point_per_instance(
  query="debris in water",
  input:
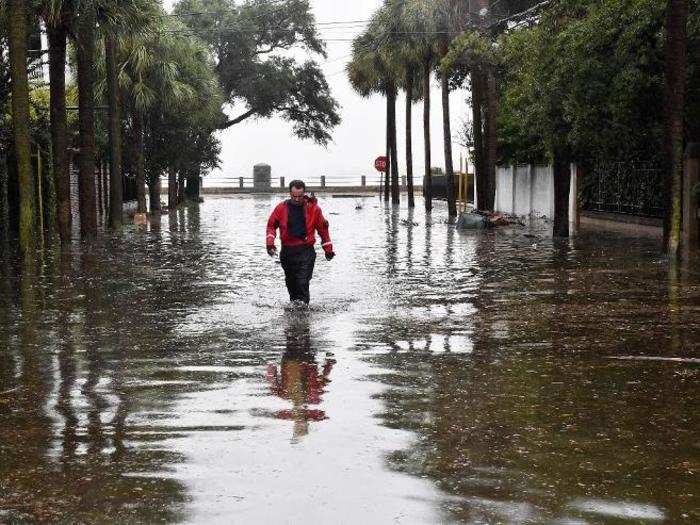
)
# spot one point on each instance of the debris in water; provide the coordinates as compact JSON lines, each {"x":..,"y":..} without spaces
{"x":472,"y":221}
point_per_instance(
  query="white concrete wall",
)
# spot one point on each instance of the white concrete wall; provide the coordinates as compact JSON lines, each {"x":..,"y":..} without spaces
{"x":504,"y":189}
{"x":529,"y":190}
{"x":522,"y":193}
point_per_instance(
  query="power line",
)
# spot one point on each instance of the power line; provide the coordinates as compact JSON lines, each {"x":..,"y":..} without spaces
{"x":234,"y":30}
{"x":338,"y":25}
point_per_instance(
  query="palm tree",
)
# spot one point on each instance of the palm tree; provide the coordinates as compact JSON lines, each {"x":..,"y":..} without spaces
{"x":488,"y":82}
{"x":371,"y":71}
{"x":447,"y":136}
{"x":20,"y":121}
{"x":482,"y":181}
{"x":449,"y":19}
{"x":57,"y":17}
{"x":387,"y":27}
{"x":473,"y":53}
{"x":118,"y":17}
{"x":408,"y":57}
{"x":85,"y":52}
{"x":151,"y":75}
{"x":412,"y":89}
{"x":116,"y":197}
{"x":420,"y":22}
{"x":676,"y":19}
{"x":180,"y":132}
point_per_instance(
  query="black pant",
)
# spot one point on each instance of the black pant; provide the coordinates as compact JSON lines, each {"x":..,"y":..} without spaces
{"x":298,"y":263}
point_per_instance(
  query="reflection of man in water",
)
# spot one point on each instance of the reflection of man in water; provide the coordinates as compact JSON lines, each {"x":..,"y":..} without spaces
{"x":299,"y":380}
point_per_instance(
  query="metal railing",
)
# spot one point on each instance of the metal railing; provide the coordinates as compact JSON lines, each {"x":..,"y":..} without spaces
{"x":625,"y":187}
{"x":281,"y":182}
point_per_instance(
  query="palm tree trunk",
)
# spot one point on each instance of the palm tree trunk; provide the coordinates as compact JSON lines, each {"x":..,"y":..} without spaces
{"x":100,"y":202}
{"x":116,"y":189}
{"x":387,"y":169}
{"x":482,"y":182}
{"x":86,"y":116}
{"x":20,"y":120}
{"x":562,"y":189}
{"x":57,"y":36}
{"x":449,"y":168}
{"x":172,"y":188}
{"x":428,"y":177}
{"x":193,"y":186}
{"x":154,"y":195}
{"x":140,"y":165}
{"x":676,"y":18}
{"x":105,"y":187}
{"x":49,"y":195}
{"x":180,"y":188}
{"x":491,"y":137}
{"x":395,"y":199}
{"x":409,"y":137}
{"x":4,"y":215}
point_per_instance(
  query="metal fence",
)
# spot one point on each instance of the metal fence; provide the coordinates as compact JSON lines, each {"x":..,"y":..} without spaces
{"x":623,"y":187}
{"x":281,"y":182}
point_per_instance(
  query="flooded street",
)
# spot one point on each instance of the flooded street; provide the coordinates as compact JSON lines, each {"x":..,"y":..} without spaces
{"x":438,"y":377}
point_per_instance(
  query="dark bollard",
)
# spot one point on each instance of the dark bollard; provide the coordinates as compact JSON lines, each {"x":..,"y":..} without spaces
{"x":281,"y":182}
{"x":240,"y":182}
{"x":364,"y":181}
{"x":323,"y":181}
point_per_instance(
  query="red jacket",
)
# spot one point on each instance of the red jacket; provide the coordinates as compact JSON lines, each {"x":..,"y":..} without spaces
{"x":314,"y":222}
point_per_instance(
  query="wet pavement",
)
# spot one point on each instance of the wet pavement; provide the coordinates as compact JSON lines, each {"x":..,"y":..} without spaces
{"x":439,"y":377}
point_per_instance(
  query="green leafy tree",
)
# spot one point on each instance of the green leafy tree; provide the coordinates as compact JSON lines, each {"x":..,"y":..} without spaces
{"x":585,"y":83}
{"x":474,"y":54}
{"x":181,"y":136}
{"x":250,"y":44}
{"x":117,"y":19}
{"x":150,"y":77}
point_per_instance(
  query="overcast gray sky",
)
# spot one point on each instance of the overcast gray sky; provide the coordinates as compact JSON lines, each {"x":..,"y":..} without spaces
{"x":360,"y":137}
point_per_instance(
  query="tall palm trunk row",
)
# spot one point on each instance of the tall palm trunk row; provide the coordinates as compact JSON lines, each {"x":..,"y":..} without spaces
{"x":396,"y":52}
{"x":79,"y":21}
{"x":20,"y":119}
{"x":57,"y":37}
{"x":85,"y":53}
{"x":428,"y":180}
{"x":114,"y":129}
{"x":409,"y":135}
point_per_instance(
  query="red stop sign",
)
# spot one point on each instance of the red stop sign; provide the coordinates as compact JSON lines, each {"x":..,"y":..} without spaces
{"x":380,"y":164}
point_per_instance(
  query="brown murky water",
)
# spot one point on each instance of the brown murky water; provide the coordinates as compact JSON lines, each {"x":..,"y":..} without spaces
{"x":438,"y":377}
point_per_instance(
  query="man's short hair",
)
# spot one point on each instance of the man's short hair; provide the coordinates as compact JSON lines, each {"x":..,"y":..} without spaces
{"x":299,"y":184}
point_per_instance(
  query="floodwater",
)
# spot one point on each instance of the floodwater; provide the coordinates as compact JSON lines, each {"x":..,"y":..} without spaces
{"x":439,"y":377}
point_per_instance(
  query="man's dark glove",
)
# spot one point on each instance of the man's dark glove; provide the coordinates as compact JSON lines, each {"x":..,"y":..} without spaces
{"x":330,"y":255}
{"x":271,"y":251}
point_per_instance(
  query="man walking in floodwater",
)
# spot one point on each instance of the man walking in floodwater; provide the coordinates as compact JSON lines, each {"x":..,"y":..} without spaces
{"x":298,"y":218}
